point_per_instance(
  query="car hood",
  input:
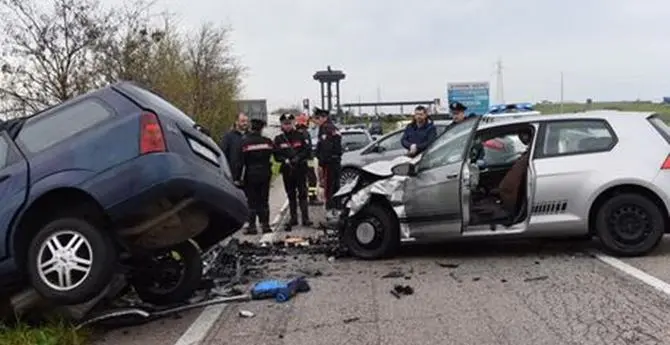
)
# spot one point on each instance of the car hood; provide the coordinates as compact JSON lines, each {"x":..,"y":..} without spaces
{"x":383,"y":168}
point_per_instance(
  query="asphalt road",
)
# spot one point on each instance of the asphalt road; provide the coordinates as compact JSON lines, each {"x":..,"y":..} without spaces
{"x":552,"y":292}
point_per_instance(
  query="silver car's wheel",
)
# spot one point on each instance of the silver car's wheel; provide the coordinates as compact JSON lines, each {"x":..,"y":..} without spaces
{"x":348,"y":175}
{"x":372,"y":234}
{"x":365,"y":233}
{"x":630,"y":225}
{"x":65,"y":260}
{"x":70,"y":260}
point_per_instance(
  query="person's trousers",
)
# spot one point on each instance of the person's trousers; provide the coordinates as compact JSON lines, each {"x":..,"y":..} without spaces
{"x":331,"y":183}
{"x":311,"y":183}
{"x":257,"y":192}
{"x":295,"y":185}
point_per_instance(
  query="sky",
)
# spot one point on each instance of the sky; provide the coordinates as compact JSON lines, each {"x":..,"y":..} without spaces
{"x":607,"y":50}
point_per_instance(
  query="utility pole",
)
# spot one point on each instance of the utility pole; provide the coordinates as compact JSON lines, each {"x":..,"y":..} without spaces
{"x":360,"y":109}
{"x":500,"y":92}
{"x":561,"y":107}
{"x":379,"y":98}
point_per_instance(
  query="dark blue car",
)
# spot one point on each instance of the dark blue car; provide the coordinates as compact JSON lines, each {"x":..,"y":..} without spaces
{"x":91,"y":187}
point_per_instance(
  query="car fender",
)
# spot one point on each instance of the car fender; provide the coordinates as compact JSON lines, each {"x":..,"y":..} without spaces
{"x":62,"y":179}
{"x":391,"y":189}
{"x":72,"y":178}
{"x":626,"y":181}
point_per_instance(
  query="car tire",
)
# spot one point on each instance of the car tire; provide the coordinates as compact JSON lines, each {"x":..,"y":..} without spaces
{"x":190,"y":278}
{"x":93,"y":245}
{"x":372,"y":234}
{"x":347,"y":175}
{"x":630,"y":225}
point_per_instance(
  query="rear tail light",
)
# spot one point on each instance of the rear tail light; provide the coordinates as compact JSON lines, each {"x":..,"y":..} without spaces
{"x":151,"y":134}
{"x":666,"y":163}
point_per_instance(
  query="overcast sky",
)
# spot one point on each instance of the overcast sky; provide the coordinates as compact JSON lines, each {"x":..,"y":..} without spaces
{"x":606,"y":49}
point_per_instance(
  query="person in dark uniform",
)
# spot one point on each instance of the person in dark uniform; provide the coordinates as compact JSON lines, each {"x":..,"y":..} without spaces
{"x":302,"y":125}
{"x":292,"y":150}
{"x":457,"y":110}
{"x":256,"y":172}
{"x":329,"y":154}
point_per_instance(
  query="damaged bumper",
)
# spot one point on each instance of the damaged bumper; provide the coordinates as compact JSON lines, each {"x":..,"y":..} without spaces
{"x":353,"y":197}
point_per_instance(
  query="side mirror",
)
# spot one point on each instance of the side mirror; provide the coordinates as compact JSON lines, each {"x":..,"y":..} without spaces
{"x":404,"y":169}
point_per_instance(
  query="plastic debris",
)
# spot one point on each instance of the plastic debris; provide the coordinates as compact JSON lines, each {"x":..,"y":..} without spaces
{"x":246,"y":314}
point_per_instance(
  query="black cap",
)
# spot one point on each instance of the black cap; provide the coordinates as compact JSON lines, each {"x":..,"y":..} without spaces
{"x":286,"y":117}
{"x":257,"y":124}
{"x":318,"y":112}
{"x":457,"y":106}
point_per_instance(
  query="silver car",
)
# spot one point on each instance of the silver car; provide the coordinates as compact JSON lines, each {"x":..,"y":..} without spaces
{"x":598,"y":173}
{"x":386,"y":147}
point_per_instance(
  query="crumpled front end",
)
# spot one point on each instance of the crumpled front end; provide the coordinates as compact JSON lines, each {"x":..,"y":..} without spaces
{"x":392,"y":189}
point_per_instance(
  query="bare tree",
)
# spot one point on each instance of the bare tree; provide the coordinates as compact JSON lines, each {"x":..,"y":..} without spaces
{"x":49,"y":54}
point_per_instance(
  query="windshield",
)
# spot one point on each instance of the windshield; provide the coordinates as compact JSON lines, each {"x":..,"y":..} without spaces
{"x":448,"y":136}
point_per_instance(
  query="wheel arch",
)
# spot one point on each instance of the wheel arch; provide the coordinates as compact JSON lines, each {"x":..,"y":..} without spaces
{"x":621,"y":189}
{"x":44,"y":208}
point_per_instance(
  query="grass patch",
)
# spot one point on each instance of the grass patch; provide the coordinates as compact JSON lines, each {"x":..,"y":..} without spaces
{"x":54,"y":333}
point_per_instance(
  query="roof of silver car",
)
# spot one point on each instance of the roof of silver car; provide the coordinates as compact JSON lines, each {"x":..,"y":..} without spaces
{"x":495,"y":120}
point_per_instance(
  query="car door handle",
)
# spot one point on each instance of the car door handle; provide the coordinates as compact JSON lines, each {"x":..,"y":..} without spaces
{"x":4,"y":177}
{"x":451,"y":177}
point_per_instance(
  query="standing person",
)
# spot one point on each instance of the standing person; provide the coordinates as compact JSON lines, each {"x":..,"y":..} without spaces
{"x":419,"y":133}
{"x":231,"y":145}
{"x":329,"y":153}
{"x":457,"y":110}
{"x":255,"y":171}
{"x":302,"y":125}
{"x":292,"y":150}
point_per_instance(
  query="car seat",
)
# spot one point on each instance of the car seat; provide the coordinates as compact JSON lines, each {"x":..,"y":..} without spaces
{"x":494,"y":211}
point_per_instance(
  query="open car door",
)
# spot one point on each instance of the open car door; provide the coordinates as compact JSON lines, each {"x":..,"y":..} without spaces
{"x":434,"y":195}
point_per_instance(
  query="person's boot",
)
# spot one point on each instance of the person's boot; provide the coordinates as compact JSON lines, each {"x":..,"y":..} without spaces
{"x":304,"y":212}
{"x":264,"y":218}
{"x":251,"y":227}
{"x":288,"y":227}
{"x":293,"y":221}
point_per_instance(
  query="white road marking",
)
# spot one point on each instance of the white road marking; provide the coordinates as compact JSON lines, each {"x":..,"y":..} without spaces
{"x":634,"y":272}
{"x":201,"y":327}
{"x":272,"y":237}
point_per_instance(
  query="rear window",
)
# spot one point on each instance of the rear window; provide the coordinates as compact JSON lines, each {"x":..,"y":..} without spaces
{"x":661,"y":127}
{"x":156,"y":103}
{"x":44,"y":131}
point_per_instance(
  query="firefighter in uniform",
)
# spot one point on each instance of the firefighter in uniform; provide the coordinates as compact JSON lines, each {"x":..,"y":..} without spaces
{"x":292,"y":150}
{"x":329,"y":153}
{"x":302,"y":125}
{"x":257,"y":152}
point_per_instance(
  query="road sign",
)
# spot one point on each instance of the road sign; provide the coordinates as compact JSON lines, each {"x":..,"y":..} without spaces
{"x":474,"y":95}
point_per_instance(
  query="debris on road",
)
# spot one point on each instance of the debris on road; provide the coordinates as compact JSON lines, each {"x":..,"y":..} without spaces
{"x":402,"y":290}
{"x":394,"y":274}
{"x":534,"y":279}
{"x":246,"y":314}
{"x":281,"y":291}
{"x":447,"y":265}
{"x":352,"y":319}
